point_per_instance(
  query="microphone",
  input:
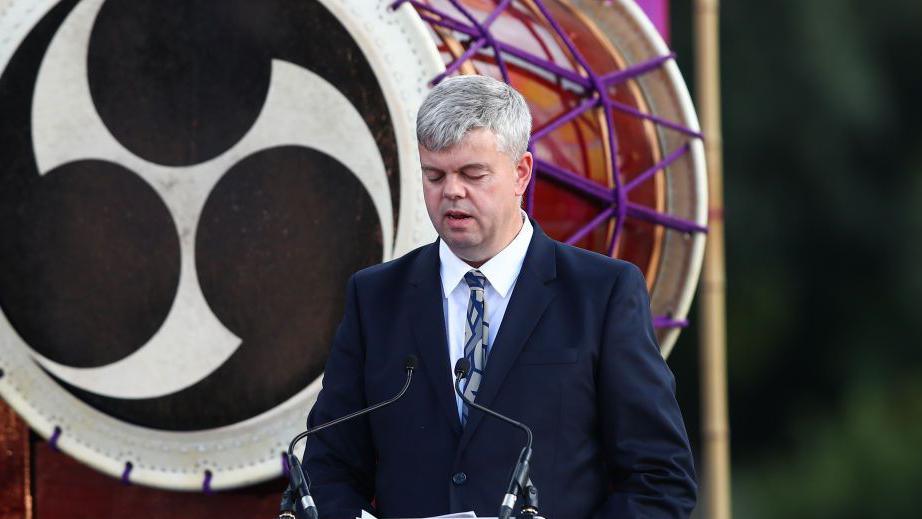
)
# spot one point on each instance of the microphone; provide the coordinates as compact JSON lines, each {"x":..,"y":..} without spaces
{"x":298,"y":484}
{"x":519,"y":481}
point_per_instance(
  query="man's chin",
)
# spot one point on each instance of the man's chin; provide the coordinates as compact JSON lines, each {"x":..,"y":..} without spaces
{"x":462,"y":244}
{"x":458,"y":242}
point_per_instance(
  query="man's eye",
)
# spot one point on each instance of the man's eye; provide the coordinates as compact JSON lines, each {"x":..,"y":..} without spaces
{"x":434,"y":178}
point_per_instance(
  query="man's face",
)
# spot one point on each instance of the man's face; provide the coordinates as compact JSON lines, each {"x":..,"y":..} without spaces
{"x":473,"y":194}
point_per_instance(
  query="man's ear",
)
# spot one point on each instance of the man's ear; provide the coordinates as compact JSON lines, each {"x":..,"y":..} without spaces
{"x":523,"y":172}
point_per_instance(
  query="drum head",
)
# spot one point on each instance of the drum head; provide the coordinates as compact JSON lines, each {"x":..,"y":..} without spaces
{"x":185,"y":189}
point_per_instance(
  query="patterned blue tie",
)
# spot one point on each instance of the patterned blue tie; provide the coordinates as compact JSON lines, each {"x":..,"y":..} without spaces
{"x":476,"y":334}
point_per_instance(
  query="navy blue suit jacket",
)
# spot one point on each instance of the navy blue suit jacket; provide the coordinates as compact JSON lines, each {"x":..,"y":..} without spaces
{"x":575,"y":359}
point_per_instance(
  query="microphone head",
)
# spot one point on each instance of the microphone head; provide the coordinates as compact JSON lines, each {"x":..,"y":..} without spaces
{"x":462,"y":367}
{"x":411,"y":362}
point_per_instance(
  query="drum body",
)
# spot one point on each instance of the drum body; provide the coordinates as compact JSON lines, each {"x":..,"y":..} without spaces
{"x":185,"y":188}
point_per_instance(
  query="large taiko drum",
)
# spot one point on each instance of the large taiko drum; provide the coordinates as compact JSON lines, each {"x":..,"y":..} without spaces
{"x":186,"y":186}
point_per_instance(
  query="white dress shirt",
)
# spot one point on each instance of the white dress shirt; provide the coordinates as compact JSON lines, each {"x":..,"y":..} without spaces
{"x":501,"y":272}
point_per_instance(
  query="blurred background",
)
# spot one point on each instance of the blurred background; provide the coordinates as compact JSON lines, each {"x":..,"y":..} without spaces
{"x":823,"y":195}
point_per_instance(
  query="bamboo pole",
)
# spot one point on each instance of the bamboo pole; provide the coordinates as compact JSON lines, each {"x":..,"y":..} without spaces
{"x":713,"y":336}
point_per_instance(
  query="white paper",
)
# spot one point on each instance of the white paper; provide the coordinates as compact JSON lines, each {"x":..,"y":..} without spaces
{"x":366,"y":515}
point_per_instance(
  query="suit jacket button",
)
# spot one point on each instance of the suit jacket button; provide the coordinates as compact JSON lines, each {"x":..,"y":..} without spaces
{"x":459,"y":478}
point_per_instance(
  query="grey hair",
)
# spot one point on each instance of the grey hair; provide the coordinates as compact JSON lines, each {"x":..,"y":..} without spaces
{"x":463,"y":103}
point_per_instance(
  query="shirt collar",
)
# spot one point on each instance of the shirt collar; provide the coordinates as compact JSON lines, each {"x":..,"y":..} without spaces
{"x":501,"y":270}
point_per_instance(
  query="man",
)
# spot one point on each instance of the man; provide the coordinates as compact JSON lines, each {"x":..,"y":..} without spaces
{"x":560,"y":339}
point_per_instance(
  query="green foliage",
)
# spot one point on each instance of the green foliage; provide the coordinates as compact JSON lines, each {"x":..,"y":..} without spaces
{"x":823,"y":186}
{"x":858,"y":462}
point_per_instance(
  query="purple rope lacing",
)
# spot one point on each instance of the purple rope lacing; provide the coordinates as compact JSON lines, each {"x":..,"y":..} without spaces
{"x":285,"y":467}
{"x":668,"y":322}
{"x":126,"y":474}
{"x":55,"y":436}
{"x":595,"y":94}
{"x":206,"y":484}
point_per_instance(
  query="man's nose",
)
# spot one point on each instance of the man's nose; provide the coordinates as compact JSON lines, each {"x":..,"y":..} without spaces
{"x":453,"y":187}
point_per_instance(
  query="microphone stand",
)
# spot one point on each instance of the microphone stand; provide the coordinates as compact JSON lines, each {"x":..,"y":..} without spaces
{"x":519,"y":483}
{"x":530,"y":508}
{"x":297,"y":501}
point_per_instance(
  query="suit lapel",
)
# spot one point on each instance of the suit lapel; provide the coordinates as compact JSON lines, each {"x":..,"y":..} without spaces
{"x":530,"y":296}
{"x":428,"y":323}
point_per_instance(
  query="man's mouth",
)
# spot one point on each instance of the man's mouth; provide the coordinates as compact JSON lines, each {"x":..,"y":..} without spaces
{"x":456,"y":215}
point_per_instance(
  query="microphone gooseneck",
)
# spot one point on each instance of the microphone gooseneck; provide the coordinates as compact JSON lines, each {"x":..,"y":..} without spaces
{"x":409,"y":365}
{"x":298,"y":490}
{"x":519,"y":482}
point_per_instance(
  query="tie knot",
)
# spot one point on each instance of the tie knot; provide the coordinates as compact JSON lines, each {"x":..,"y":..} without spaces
{"x":475,"y":279}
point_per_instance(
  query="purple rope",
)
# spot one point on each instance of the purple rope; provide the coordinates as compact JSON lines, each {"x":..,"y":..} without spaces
{"x":448,"y":24}
{"x":500,"y":62}
{"x":495,"y":14}
{"x":575,"y":182}
{"x":664,"y":321}
{"x":673,"y":222}
{"x":55,"y":435}
{"x":662,"y":165}
{"x":467,"y":14}
{"x":621,"y":196}
{"x":397,"y":3}
{"x":532,"y":182}
{"x":454,"y":24}
{"x":621,"y":107}
{"x":456,"y":64}
{"x":635,"y":70}
{"x":563,"y":36}
{"x":484,"y":33}
{"x":206,"y":484}
{"x":595,"y":222}
{"x":564,"y":119}
{"x":544,"y":64}
{"x":126,"y":474}
{"x":285,"y":467}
